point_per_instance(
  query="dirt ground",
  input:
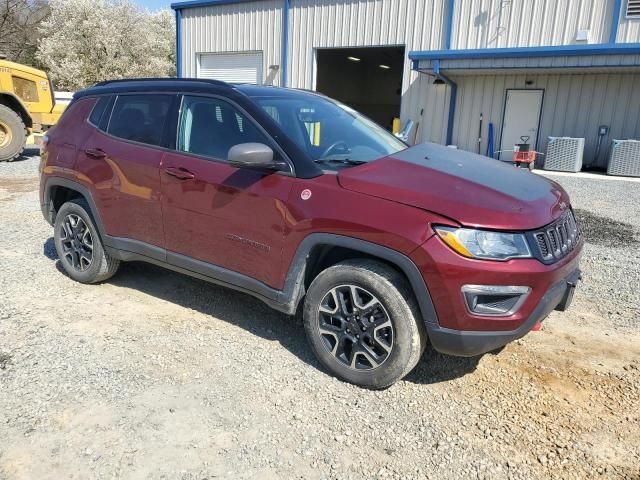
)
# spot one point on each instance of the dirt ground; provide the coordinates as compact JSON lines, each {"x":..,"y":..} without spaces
{"x":157,"y":375}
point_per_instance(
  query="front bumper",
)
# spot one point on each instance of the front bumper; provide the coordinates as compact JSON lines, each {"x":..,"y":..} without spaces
{"x":471,"y":343}
{"x":458,"y":331}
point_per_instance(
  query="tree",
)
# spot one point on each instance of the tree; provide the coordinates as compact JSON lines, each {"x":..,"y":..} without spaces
{"x":19,"y":20}
{"x":87,"y":41}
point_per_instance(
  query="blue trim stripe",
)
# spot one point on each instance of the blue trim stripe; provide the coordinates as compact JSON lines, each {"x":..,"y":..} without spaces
{"x":541,"y":67}
{"x":615,"y":21}
{"x":179,"y":43}
{"x":554,"y":51}
{"x":285,"y":43}
{"x":204,"y":3}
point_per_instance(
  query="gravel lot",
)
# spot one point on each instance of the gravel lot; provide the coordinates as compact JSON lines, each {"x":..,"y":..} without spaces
{"x":157,"y":375}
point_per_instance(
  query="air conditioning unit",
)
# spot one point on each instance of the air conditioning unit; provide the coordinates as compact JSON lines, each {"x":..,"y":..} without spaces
{"x":625,"y":158}
{"x":564,"y":154}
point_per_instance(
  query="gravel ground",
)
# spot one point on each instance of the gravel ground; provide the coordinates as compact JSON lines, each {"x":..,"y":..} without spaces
{"x":609,"y":215}
{"x":157,"y":375}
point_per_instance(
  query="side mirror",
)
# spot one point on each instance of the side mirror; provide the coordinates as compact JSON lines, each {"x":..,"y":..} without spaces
{"x":253,"y":155}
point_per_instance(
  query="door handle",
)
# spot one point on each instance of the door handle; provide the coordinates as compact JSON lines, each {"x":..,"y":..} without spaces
{"x":180,"y":173}
{"x":95,"y":153}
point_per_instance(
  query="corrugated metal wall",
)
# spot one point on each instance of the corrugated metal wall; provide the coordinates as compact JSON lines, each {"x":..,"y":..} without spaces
{"x":416,"y":24}
{"x":629,"y":28}
{"x":574,"y":105}
{"x":237,"y":27}
{"x":523,"y":23}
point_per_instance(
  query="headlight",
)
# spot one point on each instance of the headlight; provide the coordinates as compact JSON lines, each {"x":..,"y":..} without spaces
{"x":485,"y":244}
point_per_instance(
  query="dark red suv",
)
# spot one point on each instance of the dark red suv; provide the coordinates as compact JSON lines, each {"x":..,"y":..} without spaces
{"x":304,"y":203}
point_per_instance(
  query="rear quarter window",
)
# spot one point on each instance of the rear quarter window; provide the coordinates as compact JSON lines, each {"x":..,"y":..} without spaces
{"x":98,"y":111}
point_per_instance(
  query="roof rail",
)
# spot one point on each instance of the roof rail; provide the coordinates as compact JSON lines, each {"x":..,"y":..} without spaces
{"x":163,"y":79}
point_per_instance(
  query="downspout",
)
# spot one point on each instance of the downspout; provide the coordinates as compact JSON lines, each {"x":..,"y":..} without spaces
{"x":617,"y":7}
{"x":453,"y":86}
{"x":178,"y":43}
{"x":285,"y":43}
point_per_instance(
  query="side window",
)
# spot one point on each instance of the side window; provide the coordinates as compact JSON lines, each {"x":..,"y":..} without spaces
{"x":98,"y":110}
{"x":140,"y":118}
{"x":210,"y":127}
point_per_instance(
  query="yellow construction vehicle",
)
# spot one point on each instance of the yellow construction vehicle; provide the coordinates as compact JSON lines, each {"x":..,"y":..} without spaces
{"x":27,"y":105}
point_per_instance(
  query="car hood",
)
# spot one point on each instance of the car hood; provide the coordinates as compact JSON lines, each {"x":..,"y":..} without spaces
{"x":468,"y":188}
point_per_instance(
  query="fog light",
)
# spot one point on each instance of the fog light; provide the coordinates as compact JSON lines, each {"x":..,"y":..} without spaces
{"x":494,"y":300}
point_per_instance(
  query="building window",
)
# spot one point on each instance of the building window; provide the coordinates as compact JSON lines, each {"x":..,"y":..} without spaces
{"x":633,"y":8}
{"x":25,"y":89}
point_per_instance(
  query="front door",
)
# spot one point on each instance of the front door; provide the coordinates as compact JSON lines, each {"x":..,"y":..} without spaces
{"x":521,"y":119}
{"x":216,"y":213}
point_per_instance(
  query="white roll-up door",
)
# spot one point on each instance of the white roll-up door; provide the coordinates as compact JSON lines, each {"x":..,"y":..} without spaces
{"x":231,"y":67}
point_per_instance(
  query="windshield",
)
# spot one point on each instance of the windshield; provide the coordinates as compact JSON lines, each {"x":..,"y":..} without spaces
{"x":330,"y":131}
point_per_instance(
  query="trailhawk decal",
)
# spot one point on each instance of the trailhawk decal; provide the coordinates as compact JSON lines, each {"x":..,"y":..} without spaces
{"x":246,"y":241}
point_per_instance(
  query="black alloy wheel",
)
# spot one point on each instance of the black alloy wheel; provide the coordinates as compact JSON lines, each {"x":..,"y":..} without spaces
{"x":355,"y":327}
{"x":77,"y":242}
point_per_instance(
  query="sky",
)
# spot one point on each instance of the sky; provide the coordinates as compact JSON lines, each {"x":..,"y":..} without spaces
{"x":155,"y":4}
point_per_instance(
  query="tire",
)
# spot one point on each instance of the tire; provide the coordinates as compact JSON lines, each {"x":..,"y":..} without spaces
{"x":12,"y":134}
{"x":74,"y":233}
{"x":388,"y":348}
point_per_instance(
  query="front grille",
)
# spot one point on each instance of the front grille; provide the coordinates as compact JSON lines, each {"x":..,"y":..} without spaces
{"x":557,"y":240}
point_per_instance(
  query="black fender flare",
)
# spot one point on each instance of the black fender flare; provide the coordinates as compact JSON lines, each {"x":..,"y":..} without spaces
{"x":47,"y":207}
{"x":293,"y":291}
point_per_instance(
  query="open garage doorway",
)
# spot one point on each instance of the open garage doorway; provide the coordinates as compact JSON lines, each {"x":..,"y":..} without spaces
{"x":367,"y":79}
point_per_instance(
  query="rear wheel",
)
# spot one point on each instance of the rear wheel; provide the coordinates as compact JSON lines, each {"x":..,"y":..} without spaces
{"x":362,"y":323}
{"x":12,"y":134}
{"x":79,"y":246}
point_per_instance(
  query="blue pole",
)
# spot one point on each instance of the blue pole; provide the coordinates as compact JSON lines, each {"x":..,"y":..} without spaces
{"x":490,"y":149}
{"x":449,"y":25}
{"x":179,"y":43}
{"x":617,"y":6}
{"x":285,"y":42}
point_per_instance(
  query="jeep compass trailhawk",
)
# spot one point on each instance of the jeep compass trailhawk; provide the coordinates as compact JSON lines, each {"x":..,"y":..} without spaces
{"x":304,"y":203}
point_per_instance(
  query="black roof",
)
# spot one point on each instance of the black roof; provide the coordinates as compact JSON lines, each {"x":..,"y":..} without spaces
{"x":192,"y":85}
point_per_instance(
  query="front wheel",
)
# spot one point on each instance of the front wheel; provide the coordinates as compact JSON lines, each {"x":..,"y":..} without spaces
{"x":362,"y":323}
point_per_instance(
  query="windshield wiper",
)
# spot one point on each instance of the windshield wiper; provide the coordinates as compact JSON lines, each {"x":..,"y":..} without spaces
{"x":344,"y":161}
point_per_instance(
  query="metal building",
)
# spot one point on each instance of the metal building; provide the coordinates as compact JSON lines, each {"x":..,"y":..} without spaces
{"x":530,"y":67}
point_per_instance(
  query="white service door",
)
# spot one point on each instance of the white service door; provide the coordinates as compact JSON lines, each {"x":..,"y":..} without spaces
{"x":231,"y":67}
{"x":521,"y":119}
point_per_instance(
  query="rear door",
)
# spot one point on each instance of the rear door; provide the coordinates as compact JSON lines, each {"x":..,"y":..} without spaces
{"x":121,"y":159}
{"x":216,"y":213}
